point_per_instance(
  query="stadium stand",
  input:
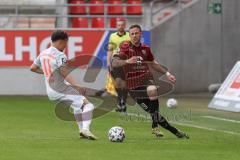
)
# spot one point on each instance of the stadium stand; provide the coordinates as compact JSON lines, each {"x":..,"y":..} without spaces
{"x":115,"y":10}
{"x":42,"y":22}
{"x":97,"y":7}
{"x":27,"y":2}
{"x":113,"y":22}
{"x":85,"y":13}
{"x":98,"y":22}
{"x":28,"y":14}
{"x":134,"y":10}
{"x":79,"y":22}
{"x":77,"y":9}
{"x":23,"y":23}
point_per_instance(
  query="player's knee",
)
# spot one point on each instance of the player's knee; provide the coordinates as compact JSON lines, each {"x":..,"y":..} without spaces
{"x":85,"y":101}
{"x":152,"y":92}
{"x":87,"y":111}
{"x":88,"y":107}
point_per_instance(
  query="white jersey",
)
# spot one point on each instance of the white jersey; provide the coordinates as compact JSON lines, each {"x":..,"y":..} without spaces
{"x":49,"y":61}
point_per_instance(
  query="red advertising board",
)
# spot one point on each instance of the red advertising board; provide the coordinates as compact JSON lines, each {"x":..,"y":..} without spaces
{"x":20,"y":48}
{"x":236,"y":83}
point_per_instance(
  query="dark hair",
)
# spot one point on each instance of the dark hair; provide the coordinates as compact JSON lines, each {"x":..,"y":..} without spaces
{"x":59,"y":35}
{"x":135,"y":26}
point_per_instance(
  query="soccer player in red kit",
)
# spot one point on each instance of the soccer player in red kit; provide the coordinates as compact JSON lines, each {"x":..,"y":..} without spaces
{"x":137,"y":59}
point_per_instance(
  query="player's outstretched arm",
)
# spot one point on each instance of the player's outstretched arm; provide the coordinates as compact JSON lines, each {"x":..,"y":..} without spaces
{"x":36,"y":69}
{"x":159,"y":68}
{"x":109,"y":53}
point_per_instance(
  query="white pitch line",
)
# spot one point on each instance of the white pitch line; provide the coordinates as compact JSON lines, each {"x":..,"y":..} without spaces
{"x":193,"y":126}
{"x":206,"y":128}
{"x":222,"y":119}
{"x":38,"y":138}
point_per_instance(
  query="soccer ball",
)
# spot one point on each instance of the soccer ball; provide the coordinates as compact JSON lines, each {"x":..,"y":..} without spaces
{"x":172,"y":103}
{"x":116,"y":134}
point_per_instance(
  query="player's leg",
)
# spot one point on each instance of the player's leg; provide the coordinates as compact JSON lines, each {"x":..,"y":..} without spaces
{"x":147,"y":105}
{"x":82,"y":110}
{"x":164,"y":123}
{"x":141,"y":97}
{"x":154,"y":104}
{"x":124,"y":96}
{"x":120,"y":86}
{"x":87,"y":109}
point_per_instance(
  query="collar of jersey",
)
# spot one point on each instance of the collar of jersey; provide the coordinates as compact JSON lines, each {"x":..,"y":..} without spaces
{"x":121,"y":35}
{"x":55,"y":49}
{"x":133,"y":46}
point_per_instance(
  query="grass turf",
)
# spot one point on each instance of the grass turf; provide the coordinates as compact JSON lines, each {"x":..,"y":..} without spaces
{"x":30,"y":130}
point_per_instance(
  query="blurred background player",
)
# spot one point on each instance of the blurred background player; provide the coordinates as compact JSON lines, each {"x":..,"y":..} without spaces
{"x":116,"y":73}
{"x":136,"y":58}
{"x":53,"y":59}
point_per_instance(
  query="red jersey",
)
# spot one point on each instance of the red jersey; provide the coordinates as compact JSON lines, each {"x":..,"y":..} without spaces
{"x":136,"y":74}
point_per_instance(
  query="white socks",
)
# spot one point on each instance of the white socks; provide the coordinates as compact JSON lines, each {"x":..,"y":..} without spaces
{"x":87,"y":115}
{"x":84,"y":116}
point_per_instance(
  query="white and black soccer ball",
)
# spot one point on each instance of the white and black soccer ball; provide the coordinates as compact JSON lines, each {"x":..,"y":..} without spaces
{"x":116,"y":134}
{"x":172,"y":103}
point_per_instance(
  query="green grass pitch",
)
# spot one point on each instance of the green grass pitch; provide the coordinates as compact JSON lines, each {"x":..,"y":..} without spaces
{"x":29,"y":130}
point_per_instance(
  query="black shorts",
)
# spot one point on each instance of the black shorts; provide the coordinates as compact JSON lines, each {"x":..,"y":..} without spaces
{"x":140,"y":92}
{"x":140,"y":95}
{"x":117,"y":72}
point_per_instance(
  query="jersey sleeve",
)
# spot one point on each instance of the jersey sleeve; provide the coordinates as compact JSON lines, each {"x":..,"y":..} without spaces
{"x":150,"y":56}
{"x":61,"y":60}
{"x":37,"y":61}
{"x":110,"y":39}
{"x":111,"y":45}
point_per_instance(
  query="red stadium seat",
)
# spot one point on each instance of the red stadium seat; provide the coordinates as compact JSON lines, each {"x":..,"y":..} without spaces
{"x":113,"y":10}
{"x":134,"y":10}
{"x":98,"y":22}
{"x":77,"y":9}
{"x":113,"y":22}
{"x":79,"y":22}
{"x":97,"y":9}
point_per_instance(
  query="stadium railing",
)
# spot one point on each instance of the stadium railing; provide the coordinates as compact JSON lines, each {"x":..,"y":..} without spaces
{"x":168,"y":8}
{"x":25,"y":16}
{"x":155,"y":11}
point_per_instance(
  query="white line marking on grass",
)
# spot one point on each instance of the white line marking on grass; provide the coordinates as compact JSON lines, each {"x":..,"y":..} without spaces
{"x":206,"y":128}
{"x":39,"y":138}
{"x":222,"y":119}
{"x":191,"y":125}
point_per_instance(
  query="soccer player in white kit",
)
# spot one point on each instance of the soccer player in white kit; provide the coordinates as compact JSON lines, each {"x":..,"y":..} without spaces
{"x":53,"y":59}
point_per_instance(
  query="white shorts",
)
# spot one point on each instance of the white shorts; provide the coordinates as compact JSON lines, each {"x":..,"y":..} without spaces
{"x":77,"y":102}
